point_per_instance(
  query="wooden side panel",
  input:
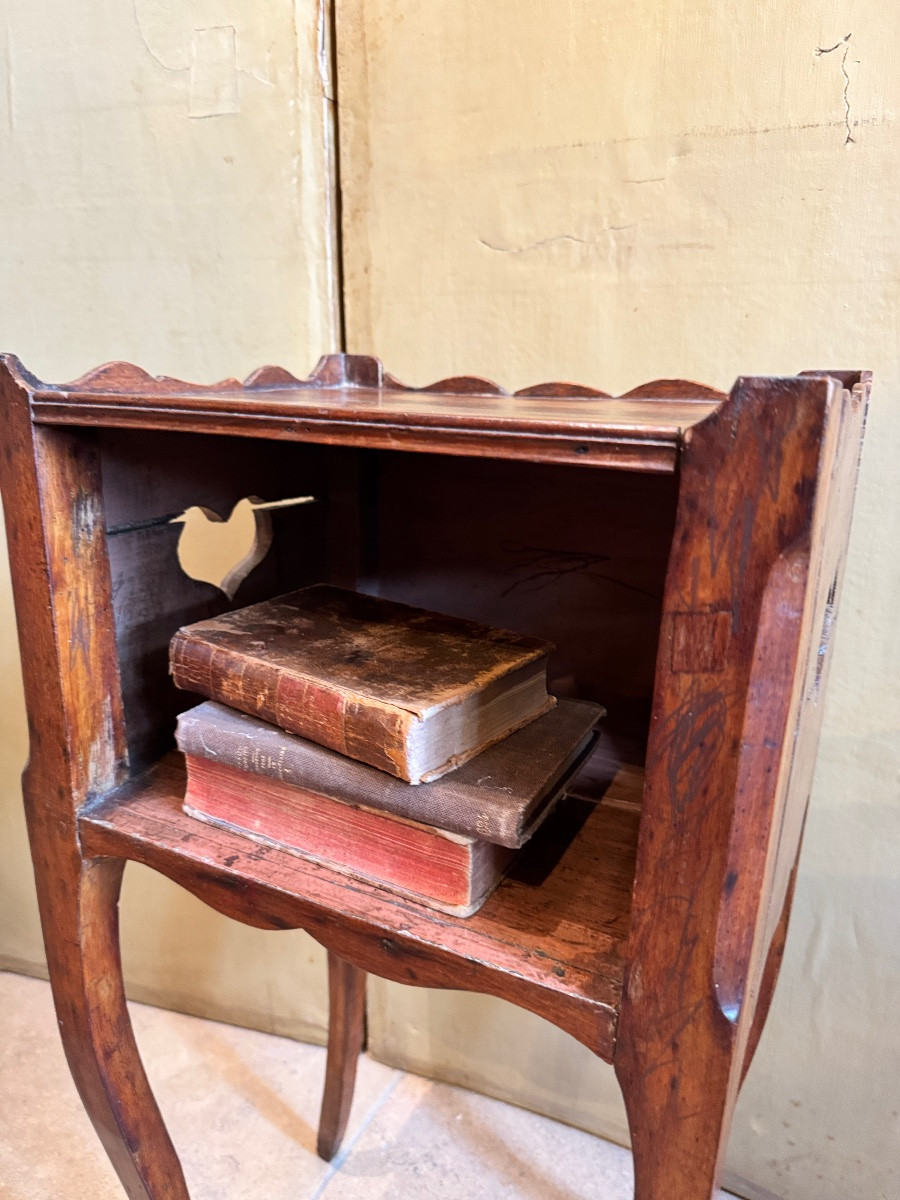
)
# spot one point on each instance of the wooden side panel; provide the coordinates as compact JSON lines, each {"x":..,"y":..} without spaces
{"x":147,"y":479}
{"x":830,"y":534}
{"x":61,"y":580}
{"x":55,"y":525}
{"x":787,"y":687}
{"x":749,"y":485}
{"x":146,"y":617}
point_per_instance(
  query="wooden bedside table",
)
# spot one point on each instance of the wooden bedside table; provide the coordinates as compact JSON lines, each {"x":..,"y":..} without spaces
{"x":683,"y":550}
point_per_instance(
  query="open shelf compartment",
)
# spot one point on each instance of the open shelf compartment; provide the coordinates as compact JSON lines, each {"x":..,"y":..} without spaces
{"x":558,"y":923}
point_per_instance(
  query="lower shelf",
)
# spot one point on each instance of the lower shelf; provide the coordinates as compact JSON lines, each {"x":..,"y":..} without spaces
{"x":551,"y":938}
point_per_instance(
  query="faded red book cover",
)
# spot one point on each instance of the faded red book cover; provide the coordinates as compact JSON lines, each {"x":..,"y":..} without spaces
{"x":447,"y":871}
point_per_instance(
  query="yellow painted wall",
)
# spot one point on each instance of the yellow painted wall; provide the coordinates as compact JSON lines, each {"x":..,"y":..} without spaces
{"x":611,"y":192}
{"x":164,"y":198}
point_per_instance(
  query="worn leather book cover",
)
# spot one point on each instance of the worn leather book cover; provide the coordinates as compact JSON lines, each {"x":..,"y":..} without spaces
{"x":408,"y":691}
{"x":501,"y":796}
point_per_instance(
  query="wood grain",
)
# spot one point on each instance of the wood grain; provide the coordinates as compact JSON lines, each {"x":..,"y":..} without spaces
{"x":553,"y":942}
{"x":575,"y":557}
{"x":349,"y":400}
{"x":147,"y":480}
{"x":346,"y":1041}
{"x":61,"y":584}
{"x":672,"y":985}
{"x":755,"y":482}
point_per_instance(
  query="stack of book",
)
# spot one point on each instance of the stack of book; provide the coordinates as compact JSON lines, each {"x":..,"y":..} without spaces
{"x":413,"y":750}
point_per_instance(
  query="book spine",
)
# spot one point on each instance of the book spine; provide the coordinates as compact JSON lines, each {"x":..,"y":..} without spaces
{"x":353,"y":726}
{"x":265,"y":751}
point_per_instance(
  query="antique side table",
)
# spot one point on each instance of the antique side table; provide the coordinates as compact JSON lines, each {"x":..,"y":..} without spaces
{"x":682,"y":549}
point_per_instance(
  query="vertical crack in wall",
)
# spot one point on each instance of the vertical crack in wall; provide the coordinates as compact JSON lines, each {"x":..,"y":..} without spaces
{"x":327,"y":33}
{"x":821,"y":50}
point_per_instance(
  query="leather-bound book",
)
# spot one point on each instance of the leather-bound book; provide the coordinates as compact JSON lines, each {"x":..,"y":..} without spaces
{"x":411,"y":692}
{"x":446,"y":843}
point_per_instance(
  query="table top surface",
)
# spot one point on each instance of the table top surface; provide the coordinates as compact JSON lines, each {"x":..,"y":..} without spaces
{"x":349,"y":399}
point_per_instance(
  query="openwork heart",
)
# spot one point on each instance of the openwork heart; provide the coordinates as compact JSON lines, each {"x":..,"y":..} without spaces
{"x":223,"y":553}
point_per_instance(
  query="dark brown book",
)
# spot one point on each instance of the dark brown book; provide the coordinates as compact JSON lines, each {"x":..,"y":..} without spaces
{"x":408,"y":691}
{"x":501,"y":796}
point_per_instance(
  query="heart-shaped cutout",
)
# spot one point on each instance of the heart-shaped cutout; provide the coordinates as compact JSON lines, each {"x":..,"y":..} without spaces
{"x":224,"y":552}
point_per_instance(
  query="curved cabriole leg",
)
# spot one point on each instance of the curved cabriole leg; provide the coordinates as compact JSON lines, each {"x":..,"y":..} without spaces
{"x":81,"y":933}
{"x":346,"y":1034}
{"x":678,"y":1130}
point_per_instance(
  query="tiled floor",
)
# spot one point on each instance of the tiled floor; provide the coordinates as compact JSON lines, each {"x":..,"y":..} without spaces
{"x":241,"y":1108}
